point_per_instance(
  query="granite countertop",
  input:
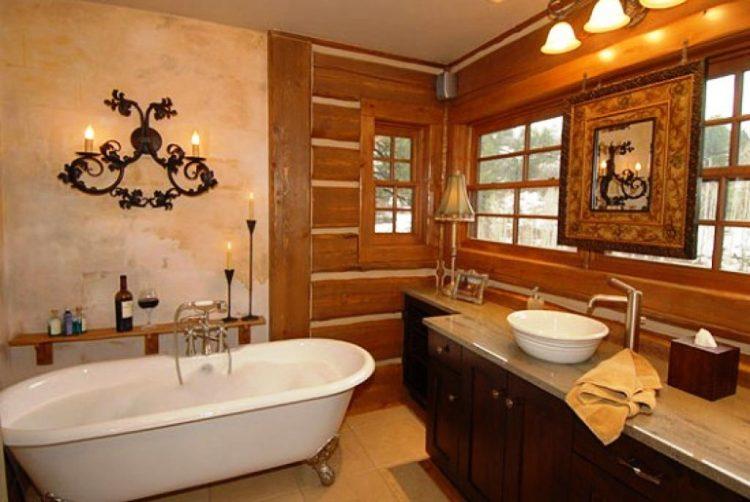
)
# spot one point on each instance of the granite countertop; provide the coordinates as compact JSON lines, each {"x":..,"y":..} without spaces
{"x":712,"y":438}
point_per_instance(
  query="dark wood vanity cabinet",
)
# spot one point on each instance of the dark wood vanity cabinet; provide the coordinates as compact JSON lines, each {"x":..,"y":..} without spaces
{"x":509,"y":440}
{"x":414,"y":355}
{"x":498,"y":437}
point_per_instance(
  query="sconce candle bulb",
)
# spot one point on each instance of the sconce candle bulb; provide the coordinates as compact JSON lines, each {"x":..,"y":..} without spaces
{"x":251,"y":206}
{"x":88,"y":139}
{"x":229,"y":255}
{"x":195,"y":140}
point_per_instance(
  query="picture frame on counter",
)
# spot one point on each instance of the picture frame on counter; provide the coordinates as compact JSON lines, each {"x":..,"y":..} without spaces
{"x":470,"y":285}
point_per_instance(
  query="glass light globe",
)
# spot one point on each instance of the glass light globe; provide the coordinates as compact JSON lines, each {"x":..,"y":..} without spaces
{"x":607,"y":15}
{"x":560,"y":39}
{"x":661,"y":4}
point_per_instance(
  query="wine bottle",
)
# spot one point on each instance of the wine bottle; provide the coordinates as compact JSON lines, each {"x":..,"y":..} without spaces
{"x":124,"y":306}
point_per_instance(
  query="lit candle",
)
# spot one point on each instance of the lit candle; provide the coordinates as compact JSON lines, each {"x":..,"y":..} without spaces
{"x":251,"y":206}
{"x":88,"y":139}
{"x":196,"y":142}
{"x":603,"y":167}
{"x":229,"y":255}
{"x":638,"y":167}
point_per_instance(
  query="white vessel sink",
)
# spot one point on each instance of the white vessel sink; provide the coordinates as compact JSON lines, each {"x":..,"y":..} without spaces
{"x":558,"y":337}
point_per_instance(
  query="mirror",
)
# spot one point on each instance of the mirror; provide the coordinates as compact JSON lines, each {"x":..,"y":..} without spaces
{"x":622,"y":167}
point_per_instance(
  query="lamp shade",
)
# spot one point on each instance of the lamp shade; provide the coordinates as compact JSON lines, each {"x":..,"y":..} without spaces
{"x":560,"y":39}
{"x":607,"y":15}
{"x":661,"y":4}
{"x":455,"y":204}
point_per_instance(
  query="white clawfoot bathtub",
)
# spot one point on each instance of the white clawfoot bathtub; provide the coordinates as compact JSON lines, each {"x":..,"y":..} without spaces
{"x":126,"y":429}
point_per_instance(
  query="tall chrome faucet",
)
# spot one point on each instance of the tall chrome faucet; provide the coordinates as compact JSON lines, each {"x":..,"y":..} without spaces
{"x":633,"y":299}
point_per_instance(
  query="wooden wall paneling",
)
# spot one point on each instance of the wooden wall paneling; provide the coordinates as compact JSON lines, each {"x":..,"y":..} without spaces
{"x":335,"y":207}
{"x":335,"y":122}
{"x":642,"y":49}
{"x":361,"y":296}
{"x":381,"y":390}
{"x":335,"y":252}
{"x":335,"y":164}
{"x":289,"y":77}
{"x":363,"y":50}
{"x":344,"y":78}
{"x":381,"y":338}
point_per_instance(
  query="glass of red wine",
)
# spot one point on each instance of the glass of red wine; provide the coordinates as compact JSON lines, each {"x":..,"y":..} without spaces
{"x":147,"y":300}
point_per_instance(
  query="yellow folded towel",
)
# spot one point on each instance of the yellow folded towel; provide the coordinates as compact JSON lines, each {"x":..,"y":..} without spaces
{"x":617,"y":389}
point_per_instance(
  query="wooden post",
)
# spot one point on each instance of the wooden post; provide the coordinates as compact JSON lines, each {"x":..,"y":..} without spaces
{"x":43,"y":353}
{"x":243,"y":335}
{"x":151,"y":344}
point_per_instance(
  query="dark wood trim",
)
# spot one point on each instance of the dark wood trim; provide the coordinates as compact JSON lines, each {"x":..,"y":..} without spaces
{"x":499,"y":38}
{"x":358,"y":49}
{"x":289,"y":116}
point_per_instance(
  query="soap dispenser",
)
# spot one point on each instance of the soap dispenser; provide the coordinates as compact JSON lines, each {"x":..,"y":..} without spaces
{"x":535,"y":301}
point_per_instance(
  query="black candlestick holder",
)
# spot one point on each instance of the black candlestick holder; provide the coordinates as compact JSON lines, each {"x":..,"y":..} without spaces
{"x":250,"y":316}
{"x":229,"y":274}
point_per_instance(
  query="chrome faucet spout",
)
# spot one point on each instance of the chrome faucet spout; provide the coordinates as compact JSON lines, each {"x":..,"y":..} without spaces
{"x":597,"y":299}
{"x":633,"y":300}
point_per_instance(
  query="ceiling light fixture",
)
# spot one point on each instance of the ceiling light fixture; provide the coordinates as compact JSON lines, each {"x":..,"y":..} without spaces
{"x":607,"y":15}
{"x":561,"y":39}
{"x":661,"y":4}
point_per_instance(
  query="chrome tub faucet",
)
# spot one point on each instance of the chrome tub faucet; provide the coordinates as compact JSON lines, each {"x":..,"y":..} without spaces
{"x":633,"y":299}
{"x":193,"y":321}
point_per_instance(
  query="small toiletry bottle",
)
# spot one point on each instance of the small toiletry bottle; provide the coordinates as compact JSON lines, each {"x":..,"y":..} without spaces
{"x":67,"y":322}
{"x":54,"y":326}
{"x":535,"y":301}
{"x":82,"y":320}
{"x":77,"y":321}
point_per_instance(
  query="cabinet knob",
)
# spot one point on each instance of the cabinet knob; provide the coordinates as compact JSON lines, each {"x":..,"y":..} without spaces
{"x":495,"y":394}
{"x":509,"y":403}
{"x":452,"y":398}
{"x":445,"y":349}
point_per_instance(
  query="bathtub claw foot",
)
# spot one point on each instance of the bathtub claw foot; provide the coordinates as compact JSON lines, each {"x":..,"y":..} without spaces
{"x":319,"y":462}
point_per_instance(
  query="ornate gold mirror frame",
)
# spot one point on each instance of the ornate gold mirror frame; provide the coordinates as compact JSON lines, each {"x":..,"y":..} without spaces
{"x":634,"y":194}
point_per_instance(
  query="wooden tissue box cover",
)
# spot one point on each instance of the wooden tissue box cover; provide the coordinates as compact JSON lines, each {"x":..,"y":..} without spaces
{"x":706,"y":372}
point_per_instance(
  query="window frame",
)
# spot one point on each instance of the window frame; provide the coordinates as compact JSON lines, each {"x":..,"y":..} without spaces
{"x":535,"y":113}
{"x":415,"y":249}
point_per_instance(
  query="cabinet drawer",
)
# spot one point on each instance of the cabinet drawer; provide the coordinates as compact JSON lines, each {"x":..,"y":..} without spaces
{"x":647,"y":471}
{"x":444,"y":351}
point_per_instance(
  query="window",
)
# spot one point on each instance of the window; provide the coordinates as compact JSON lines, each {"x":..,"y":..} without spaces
{"x":400,"y":145}
{"x":516,"y":184}
{"x":724,"y":191}
{"x":394,"y":181}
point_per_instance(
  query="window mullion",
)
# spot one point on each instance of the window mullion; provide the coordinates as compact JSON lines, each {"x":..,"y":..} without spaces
{"x":719,"y":229}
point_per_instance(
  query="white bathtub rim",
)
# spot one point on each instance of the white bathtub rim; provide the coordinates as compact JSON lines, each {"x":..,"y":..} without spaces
{"x":16,"y":437}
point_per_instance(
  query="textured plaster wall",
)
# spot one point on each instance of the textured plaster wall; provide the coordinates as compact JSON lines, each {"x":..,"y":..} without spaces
{"x":59,"y":60}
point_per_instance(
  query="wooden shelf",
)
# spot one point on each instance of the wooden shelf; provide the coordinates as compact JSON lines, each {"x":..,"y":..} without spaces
{"x":43,"y":343}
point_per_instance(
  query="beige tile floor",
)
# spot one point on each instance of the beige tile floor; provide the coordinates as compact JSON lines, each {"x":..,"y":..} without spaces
{"x":377,"y":460}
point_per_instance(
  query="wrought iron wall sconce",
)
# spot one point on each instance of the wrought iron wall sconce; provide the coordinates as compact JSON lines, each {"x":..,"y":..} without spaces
{"x":631,"y":185}
{"x":145,"y":141}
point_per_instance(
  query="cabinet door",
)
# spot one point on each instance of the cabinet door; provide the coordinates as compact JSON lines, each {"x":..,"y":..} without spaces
{"x":444,"y":418}
{"x":590,"y":484}
{"x":485,"y":386}
{"x":540,"y":444}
